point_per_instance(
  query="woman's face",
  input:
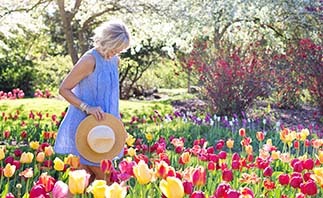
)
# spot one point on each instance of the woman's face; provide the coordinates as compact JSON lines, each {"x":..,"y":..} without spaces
{"x":112,"y":53}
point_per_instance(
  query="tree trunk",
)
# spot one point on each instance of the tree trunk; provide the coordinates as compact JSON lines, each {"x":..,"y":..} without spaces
{"x":67,"y":19}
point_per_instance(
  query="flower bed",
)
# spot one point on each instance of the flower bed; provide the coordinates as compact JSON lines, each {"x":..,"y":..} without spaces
{"x":173,"y":155}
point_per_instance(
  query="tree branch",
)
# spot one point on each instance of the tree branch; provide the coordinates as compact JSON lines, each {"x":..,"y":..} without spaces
{"x":23,"y":9}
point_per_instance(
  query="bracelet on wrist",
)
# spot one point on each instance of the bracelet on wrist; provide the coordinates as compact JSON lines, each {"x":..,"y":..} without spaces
{"x":83,"y":107}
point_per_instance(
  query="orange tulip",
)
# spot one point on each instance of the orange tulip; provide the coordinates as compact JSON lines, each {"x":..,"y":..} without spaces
{"x":40,"y":157}
{"x":184,"y":158}
{"x":260,"y":136}
{"x":161,"y":169}
{"x":72,"y":160}
{"x":49,"y":151}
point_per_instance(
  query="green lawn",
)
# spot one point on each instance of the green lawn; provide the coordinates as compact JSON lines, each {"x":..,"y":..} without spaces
{"x":56,"y":106}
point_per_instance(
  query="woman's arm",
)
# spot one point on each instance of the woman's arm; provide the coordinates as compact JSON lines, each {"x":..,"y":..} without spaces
{"x":82,"y":69}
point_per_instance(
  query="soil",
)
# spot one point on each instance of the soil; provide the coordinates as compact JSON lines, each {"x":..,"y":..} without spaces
{"x":305,"y":116}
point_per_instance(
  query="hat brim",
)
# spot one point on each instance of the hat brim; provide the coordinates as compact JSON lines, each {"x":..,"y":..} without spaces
{"x":90,"y":122}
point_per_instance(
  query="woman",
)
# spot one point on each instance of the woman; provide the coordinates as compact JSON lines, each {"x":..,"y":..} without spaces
{"x":92,"y":88}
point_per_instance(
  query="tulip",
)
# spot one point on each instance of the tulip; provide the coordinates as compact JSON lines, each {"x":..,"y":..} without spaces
{"x":249,"y":149}
{"x":247,"y":192}
{"x":162,"y":169}
{"x":34,"y":145}
{"x":233,"y":193}
{"x":221,"y":190}
{"x":230,"y":143}
{"x":99,"y":188}
{"x":222,"y":155}
{"x":60,"y":190}
{"x":268,"y":171}
{"x":106,"y":166}
{"x":47,"y":181}
{"x":27,"y":173}
{"x":58,"y":164}
{"x":9,"y":195}
{"x":142,"y":173}
{"x":318,"y":176}
{"x":116,"y":191}
{"x":184,"y":158}
{"x":26,"y":158}
{"x":131,"y":152}
{"x":38,"y":190}
{"x":49,"y":151}
{"x":242,"y":132}
{"x":309,"y":188}
{"x":172,"y":187}
{"x":2,"y":154}
{"x":283,"y":179}
{"x":9,"y":170}
{"x":40,"y":157}
{"x":260,"y":136}
{"x":296,"y":181}
{"x":308,"y":164}
{"x":199,"y":176}
{"x":197,"y":194}
{"x":78,"y":181}
{"x":130,"y":140}
{"x":149,"y":136}
{"x":73,"y":161}
{"x":188,"y":187}
{"x":227,"y":175}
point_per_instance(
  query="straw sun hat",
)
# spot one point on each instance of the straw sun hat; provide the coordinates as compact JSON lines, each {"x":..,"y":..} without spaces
{"x":96,"y":140}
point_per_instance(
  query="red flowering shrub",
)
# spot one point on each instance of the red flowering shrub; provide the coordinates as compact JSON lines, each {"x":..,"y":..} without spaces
{"x":232,"y":78}
{"x":299,"y":68}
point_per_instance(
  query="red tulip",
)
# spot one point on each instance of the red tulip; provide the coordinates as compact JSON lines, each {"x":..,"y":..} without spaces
{"x":214,"y":158}
{"x":199,"y":176}
{"x":233,"y":194}
{"x":6,"y":134}
{"x":211,"y":166}
{"x":16,"y":163}
{"x":219,"y":145}
{"x":268,"y":171}
{"x":23,"y":134}
{"x":296,"y":144}
{"x":106,"y":166}
{"x":242,"y":132}
{"x":46,"y":181}
{"x":38,"y":191}
{"x":17,"y":152}
{"x":247,"y":192}
{"x":222,"y":155}
{"x":227,"y":175}
{"x":295,"y":182}
{"x":308,"y":164}
{"x":307,"y":176}
{"x":298,"y":166}
{"x":283,"y":179}
{"x":235,"y":156}
{"x":197,"y":194}
{"x":9,"y":160}
{"x":235,"y":165}
{"x":221,"y":190}
{"x":188,"y":187}
{"x":309,"y":188}
{"x":210,"y":150}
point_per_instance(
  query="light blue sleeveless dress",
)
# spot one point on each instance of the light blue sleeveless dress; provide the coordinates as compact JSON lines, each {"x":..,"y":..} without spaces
{"x":100,"y":88}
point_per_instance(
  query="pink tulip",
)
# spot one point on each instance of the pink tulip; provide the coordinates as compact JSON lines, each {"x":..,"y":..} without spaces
{"x":268,"y":171}
{"x":10,"y":195}
{"x":309,"y":188}
{"x":221,"y":190}
{"x":188,"y":187}
{"x":283,"y":179}
{"x":227,"y":175}
{"x":60,"y":190}
{"x":197,"y":194}
{"x":199,"y":176}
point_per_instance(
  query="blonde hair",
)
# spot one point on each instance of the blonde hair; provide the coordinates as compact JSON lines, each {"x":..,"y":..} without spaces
{"x":111,"y":35}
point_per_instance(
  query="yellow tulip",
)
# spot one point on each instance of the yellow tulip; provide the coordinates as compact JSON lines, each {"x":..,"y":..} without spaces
{"x":34,"y":145}
{"x":78,"y":180}
{"x":116,"y":191}
{"x":275,"y":155}
{"x":248,"y":149}
{"x":99,"y":188}
{"x":2,"y":154}
{"x":142,"y":172}
{"x":320,"y":156}
{"x":172,"y":187}
{"x":131,"y":152}
{"x":9,"y":170}
{"x":26,"y":158}
{"x":230,"y":143}
{"x":318,"y":175}
{"x":49,"y":151}
{"x":58,"y":164}
{"x":130,"y":140}
{"x":149,"y":136}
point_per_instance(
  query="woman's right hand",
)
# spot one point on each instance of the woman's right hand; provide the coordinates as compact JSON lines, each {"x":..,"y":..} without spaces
{"x":97,"y":112}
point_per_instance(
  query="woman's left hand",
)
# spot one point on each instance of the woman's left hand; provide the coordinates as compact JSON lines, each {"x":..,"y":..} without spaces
{"x":97,"y":112}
